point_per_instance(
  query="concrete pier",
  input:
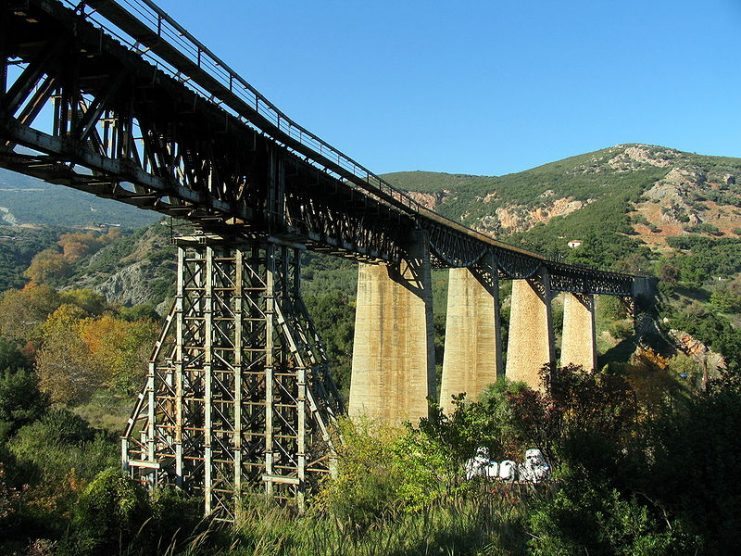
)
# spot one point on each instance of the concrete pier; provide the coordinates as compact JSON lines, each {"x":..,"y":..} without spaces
{"x":530,"y":344}
{"x":579,"y":339}
{"x":473,"y":348}
{"x":393,"y":365}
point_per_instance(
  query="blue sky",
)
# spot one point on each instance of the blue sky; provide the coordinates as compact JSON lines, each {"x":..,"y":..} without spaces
{"x":491,"y":87}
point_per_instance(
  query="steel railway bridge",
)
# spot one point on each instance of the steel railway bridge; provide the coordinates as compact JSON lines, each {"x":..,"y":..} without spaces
{"x":115,"y":98}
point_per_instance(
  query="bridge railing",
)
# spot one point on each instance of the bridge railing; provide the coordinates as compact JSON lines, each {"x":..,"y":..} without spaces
{"x":221,"y":84}
{"x":166,"y":28}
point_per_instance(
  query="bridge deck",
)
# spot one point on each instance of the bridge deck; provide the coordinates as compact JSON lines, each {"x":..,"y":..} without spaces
{"x":146,"y":114}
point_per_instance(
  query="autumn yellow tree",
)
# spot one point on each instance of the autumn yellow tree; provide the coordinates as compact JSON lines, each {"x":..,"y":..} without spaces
{"x":118,"y":349}
{"x":76,"y":245}
{"x":63,"y":362}
{"x":22,"y":312}
{"x":50,"y":265}
{"x":47,"y":267}
{"x":90,"y":301}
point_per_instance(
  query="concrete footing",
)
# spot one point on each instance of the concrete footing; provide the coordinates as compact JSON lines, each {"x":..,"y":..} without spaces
{"x":393,"y":365}
{"x":473,"y":350}
{"x":579,"y":339}
{"x":530,"y":345}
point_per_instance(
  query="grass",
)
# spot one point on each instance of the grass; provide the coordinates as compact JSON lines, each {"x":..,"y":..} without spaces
{"x":484,"y":523}
{"x":107,"y":411}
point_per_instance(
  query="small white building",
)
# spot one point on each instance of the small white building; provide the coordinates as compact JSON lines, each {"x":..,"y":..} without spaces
{"x":574,"y":243}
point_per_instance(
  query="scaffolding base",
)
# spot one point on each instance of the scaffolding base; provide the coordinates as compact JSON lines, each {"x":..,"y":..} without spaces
{"x":238,"y":395}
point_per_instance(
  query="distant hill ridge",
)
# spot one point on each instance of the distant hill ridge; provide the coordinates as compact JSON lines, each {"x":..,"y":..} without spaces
{"x":662,"y":191}
{"x":26,"y":200}
{"x":621,"y":202}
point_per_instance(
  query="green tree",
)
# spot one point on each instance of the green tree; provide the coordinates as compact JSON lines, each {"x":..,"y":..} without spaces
{"x":727,"y":298}
{"x":108,"y":515}
{"x":11,"y":357}
{"x":21,"y":401}
{"x":57,"y":456}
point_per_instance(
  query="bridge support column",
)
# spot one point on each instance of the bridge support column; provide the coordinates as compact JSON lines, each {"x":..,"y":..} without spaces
{"x":473,"y":349}
{"x":579,"y":338}
{"x":530,"y":344}
{"x":238,"y":391}
{"x":393,"y":364}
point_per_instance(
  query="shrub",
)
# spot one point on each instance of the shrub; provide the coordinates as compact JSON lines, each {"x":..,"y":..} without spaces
{"x":21,"y":402}
{"x":108,"y":515}
{"x":10,"y":500}
{"x":488,"y":422}
{"x":693,"y":473}
{"x":584,"y":518}
{"x":175,"y":516}
{"x":365,"y":490}
{"x":622,"y":329}
{"x":11,"y":357}
{"x":58,"y":455}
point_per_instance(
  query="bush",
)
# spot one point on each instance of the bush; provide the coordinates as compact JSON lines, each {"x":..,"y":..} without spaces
{"x":11,"y":357}
{"x":10,"y":500}
{"x":665,"y":484}
{"x":58,"y":455}
{"x":365,"y":490}
{"x":488,"y":422}
{"x":727,"y":299}
{"x":583,"y":518}
{"x":108,"y":515}
{"x":175,"y":516}
{"x":622,"y":329}
{"x":695,"y":453}
{"x":705,"y":228}
{"x":21,"y":402}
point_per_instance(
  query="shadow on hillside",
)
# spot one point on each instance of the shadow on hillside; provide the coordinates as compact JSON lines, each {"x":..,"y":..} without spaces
{"x":698,"y":294}
{"x":620,"y":353}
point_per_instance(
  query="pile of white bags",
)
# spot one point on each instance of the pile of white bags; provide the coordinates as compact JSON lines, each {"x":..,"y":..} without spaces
{"x":534,"y":469}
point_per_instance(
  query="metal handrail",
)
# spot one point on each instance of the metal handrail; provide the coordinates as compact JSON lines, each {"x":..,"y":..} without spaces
{"x":164,"y":26}
{"x":159,"y":22}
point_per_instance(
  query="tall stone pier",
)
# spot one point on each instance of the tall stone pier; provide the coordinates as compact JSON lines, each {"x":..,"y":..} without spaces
{"x":393,"y":364}
{"x":579,"y":339}
{"x":530,"y":344}
{"x":473,"y":349}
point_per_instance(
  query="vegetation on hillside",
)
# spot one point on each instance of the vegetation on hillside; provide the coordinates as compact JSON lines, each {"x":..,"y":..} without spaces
{"x":26,"y":201}
{"x":629,"y":478}
{"x":643,"y":451}
{"x":18,"y":246}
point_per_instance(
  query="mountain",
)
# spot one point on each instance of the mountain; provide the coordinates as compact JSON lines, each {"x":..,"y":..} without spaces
{"x":625,"y":207}
{"x":27,"y":201}
{"x":636,"y":208}
{"x":641,"y":192}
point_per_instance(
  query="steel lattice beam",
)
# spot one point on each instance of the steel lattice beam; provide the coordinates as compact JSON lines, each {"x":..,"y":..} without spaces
{"x":138,"y":119}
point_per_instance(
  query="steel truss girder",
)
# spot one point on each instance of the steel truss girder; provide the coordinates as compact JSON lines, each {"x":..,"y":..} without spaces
{"x":238,"y":395}
{"x":127,"y":126}
{"x":452,"y":249}
{"x":126,"y":130}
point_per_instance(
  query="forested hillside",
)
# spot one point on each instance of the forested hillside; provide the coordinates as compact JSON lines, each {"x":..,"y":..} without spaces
{"x":635,"y":208}
{"x":26,"y":200}
{"x":81,"y":305}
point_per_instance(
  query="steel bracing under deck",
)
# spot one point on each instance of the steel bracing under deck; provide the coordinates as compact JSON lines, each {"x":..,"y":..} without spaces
{"x":144,"y":113}
{"x":238,"y":396}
